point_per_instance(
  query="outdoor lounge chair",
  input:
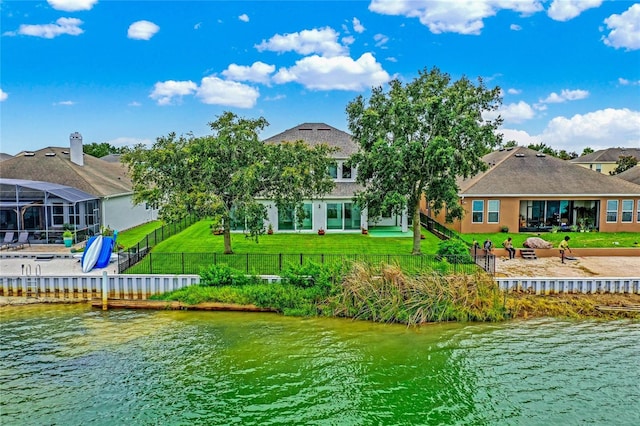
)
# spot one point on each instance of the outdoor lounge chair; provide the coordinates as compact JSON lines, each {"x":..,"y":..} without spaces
{"x":8,"y":239}
{"x":23,"y":238}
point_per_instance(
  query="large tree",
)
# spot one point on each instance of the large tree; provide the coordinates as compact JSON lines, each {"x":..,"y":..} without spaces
{"x":225,"y":175}
{"x":625,"y":162}
{"x":100,"y":150}
{"x":418,"y":138}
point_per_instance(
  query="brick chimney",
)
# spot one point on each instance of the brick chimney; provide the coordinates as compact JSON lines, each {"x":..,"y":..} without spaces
{"x":75,"y":141}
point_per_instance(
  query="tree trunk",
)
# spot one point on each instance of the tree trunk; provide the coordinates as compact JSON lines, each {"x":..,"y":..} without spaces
{"x":227,"y":237}
{"x":417,"y":228}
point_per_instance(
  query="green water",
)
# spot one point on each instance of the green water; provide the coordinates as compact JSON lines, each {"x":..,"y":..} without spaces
{"x":71,"y":365}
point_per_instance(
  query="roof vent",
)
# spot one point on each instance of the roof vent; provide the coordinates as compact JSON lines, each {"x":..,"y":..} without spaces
{"x":304,"y":128}
{"x":29,"y":154}
{"x":520,"y":155}
{"x":510,"y":148}
{"x":540,"y":155}
{"x":501,"y":149}
{"x":50,"y":154}
{"x":65,"y":152}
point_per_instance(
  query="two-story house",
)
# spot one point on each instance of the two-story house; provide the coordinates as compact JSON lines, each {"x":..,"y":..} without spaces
{"x":337,"y":211}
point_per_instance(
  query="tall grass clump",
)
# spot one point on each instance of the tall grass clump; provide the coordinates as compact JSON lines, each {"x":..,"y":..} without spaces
{"x":386,"y":294}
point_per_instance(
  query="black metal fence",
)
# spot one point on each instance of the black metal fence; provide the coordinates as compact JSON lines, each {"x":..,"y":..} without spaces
{"x":274,"y":264}
{"x":483,"y":259}
{"x":134,"y":254}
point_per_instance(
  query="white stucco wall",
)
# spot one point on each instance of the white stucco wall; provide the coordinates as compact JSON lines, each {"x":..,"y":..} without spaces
{"x":119,"y":213}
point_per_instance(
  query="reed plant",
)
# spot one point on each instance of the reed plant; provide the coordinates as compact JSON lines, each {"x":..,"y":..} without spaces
{"x":387,"y":294}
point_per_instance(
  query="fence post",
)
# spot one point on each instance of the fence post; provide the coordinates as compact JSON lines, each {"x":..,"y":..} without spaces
{"x":150,"y":264}
{"x":247,"y":269}
{"x":300,"y":259}
{"x":183,"y":262}
{"x":280,"y":262}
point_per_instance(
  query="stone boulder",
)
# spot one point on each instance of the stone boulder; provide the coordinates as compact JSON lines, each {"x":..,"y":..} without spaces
{"x":537,"y":243}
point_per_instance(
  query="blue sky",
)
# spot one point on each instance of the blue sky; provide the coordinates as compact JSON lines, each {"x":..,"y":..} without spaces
{"x":126,"y":72}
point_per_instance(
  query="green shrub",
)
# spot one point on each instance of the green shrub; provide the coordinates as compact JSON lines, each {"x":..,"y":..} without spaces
{"x":454,"y":251}
{"x":223,"y":275}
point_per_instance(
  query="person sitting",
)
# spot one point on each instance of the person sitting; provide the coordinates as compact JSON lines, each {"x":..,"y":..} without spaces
{"x":508,"y":245}
{"x":487,"y":246}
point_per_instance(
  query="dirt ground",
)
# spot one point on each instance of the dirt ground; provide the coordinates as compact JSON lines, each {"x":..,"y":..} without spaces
{"x":624,"y":266}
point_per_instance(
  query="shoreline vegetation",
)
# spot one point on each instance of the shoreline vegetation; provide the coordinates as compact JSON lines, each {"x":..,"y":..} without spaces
{"x":387,"y":294}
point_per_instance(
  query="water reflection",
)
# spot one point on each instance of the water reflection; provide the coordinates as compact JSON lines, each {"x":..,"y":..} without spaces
{"x":73,"y":365}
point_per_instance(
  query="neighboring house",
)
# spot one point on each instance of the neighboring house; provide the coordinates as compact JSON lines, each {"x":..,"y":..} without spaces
{"x":604,"y":160}
{"x":4,"y":156}
{"x":526,"y":191}
{"x":335,"y":211}
{"x":44,"y":189}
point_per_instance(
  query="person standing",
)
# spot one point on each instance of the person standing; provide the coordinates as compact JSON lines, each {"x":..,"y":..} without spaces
{"x":508,"y":245}
{"x":564,"y":246}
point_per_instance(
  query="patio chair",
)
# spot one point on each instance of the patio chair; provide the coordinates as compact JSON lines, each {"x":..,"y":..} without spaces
{"x":8,"y":239}
{"x":23,"y":238}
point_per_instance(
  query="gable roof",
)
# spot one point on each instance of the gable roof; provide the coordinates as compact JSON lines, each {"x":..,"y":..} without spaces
{"x":631,"y":175}
{"x":524,"y":172}
{"x":53,"y":164}
{"x":317,"y":133}
{"x":609,"y":155}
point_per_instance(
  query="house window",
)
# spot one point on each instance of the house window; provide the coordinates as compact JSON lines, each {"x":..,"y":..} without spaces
{"x":493,"y":211}
{"x":612,"y":210}
{"x":351,"y":216}
{"x":599,"y":168}
{"x":57,"y":214}
{"x":346,"y":171}
{"x":477,"y":211}
{"x":627,"y":211}
{"x":638,"y":214}
{"x":333,"y":171}
{"x":334,"y":215}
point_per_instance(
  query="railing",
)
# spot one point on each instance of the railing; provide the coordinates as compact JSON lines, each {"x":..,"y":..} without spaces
{"x":136,"y":252}
{"x":570,"y":285}
{"x":82,"y":288}
{"x":274,"y":264}
{"x":439,"y":229}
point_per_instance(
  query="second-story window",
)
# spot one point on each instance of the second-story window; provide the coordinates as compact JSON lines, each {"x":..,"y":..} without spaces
{"x":346,"y":171}
{"x":333,"y":171}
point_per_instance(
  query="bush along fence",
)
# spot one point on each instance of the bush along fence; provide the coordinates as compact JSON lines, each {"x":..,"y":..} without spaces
{"x":274,"y":264}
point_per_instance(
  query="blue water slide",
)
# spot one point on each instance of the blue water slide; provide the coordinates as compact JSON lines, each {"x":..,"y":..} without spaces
{"x":105,"y":253}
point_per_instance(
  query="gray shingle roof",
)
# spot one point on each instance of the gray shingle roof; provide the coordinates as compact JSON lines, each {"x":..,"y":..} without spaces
{"x":522,"y":171}
{"x":318,"y":133}
{"x":632,"y":175}
{"x":609,"y":155}
{"x":53,"y":164}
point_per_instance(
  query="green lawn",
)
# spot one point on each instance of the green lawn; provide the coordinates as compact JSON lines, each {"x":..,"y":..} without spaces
{"x":134,"y":235}
{"x":198,"y":239}
{"x":578,"y":239}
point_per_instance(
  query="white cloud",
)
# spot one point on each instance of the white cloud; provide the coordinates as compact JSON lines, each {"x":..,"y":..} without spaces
{"x":625,"y":82}
{"x":512,"y":113}
{"x":164,"y":91}
{"x":274,"y":98}
{"x":391,"y":59}
{"x":134,"y":104}
{"x":565,"y":95}
{"x":3,"y":95}
{"x":229,"y":93}
{"x":599,"y":130}
{"x":70,"y":26}
{"x":625,"y":29}
{"x":197,"y":26}
{"x":336,"y":73}
{"x":321,"y":41}
{"x":142,"y":30}
{"x":564,"y":10}
{"x":64,"y":103}
{"x":464,"y":17}
{"x":514,"y":91}
{"x":357,"y":26}
{"x":72,"y":5}
{"x":244,"y":17}
{"x":258,"y":72}
{"x":348,"y":40}
{"x":514,"y":27}
{"x":380,"y":39}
